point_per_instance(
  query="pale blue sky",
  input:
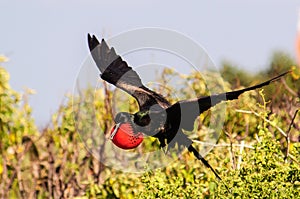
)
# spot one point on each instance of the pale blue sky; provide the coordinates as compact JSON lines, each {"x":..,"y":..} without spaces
{"x":46,"y":40}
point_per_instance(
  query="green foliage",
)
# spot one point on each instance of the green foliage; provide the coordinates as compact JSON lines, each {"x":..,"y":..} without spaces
{"x":264,"y":171}
{"x":159,"y":185}
{"x":17,"y":134}
{"x":236,"y":77}
{"x":253,"y":155}
{"x":280,"y":62}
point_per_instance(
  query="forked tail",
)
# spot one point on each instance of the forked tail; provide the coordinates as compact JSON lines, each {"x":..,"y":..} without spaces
{"x":199,"y":157}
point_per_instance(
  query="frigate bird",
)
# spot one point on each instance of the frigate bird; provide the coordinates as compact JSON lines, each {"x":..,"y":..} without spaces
{"x":156,"y":116}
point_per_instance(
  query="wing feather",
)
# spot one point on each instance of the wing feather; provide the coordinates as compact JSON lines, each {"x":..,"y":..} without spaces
{"x":116,"y":71}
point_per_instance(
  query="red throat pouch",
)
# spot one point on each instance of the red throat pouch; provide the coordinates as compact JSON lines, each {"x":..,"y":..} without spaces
{"x":122,"y":135}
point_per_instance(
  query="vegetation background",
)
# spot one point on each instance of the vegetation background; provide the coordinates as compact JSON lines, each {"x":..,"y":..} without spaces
{"x":257,"y":155}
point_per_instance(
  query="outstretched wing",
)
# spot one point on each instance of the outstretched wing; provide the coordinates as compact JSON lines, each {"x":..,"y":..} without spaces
{"x":116,"y":71}
{"x":185,"y":112}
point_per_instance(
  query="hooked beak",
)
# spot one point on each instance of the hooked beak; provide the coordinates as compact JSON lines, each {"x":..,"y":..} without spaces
{"x":115,"y":131}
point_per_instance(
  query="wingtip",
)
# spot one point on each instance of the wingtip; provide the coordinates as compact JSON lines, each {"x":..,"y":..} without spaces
{"x":289,"y":71}
{"x":92,"y":41}
{"x":104,"y":45}
{"x":89,"y":37}
{"x":104,"y":42}
{"x":281,"y":75}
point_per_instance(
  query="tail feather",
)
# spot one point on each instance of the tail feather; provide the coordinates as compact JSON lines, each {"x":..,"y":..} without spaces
{"x":205,"y":162}
{"x":200,"y":157}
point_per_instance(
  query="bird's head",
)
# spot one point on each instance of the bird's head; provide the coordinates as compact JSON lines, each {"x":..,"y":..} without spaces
{"x":123,"y":134}
{"x":123,"y":117}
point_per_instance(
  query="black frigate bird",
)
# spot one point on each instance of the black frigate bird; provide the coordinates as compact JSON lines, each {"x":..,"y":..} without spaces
{"x":156,"y":116}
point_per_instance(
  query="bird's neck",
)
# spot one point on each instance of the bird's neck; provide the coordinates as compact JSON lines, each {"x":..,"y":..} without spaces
{"x":142,"y":118}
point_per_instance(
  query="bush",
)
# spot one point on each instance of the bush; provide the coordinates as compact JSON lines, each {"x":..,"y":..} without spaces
{"x":265,"y":171}
{"x":253,"y":155}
